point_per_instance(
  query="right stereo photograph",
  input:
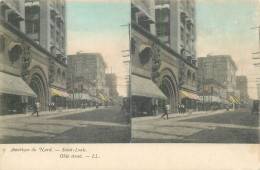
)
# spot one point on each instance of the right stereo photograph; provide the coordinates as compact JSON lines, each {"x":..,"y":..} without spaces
{"x":195,"y":75}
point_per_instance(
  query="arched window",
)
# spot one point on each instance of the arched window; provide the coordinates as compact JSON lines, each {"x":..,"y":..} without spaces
{"x":188,"y":77}
{"x":63,"y":77}
{"x":193,"y":79}
{"x":15,"y":51}
{"x":58,"y":76}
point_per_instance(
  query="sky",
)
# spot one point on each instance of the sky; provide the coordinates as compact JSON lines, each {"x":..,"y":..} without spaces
{"x":98,"y":27}
{"x":224,"y":27}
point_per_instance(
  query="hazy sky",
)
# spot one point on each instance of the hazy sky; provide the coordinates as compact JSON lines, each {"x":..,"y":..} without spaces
{"x":224,"y":28}
{"x":96,"y":27}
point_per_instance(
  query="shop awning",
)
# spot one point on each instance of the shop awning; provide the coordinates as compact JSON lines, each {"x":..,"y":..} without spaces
{"x":102,"y":97}
{"x":211,"y":99}
{"x":61,"y":93}
{"x":96,"y":99}
{"x":185,"y":94}
{"x":145,"y":88}
{"x":225,"y":101}
{"x":10,"y":84}
{"x":234,"y":99}
{"x":81,"y":96}
{"x":107,"y":98}
{"x":86,"y":96}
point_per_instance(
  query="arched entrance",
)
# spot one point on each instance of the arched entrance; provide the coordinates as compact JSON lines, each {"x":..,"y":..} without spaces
{"x":168,"y":86}
{"x":38,"y":84}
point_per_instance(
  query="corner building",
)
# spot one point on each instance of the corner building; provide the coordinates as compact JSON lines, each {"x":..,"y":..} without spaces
{"x":28,"y":71}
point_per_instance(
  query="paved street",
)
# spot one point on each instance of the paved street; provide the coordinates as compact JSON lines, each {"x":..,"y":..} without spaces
{"x":103,"y":125}
{"x":215,"y":127}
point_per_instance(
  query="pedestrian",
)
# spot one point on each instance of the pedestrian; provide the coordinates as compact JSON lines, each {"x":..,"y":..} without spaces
{"x":36,"y":108}
{"x":49,"y":106}
{"x":179,"y":108}
{"x":182,"y":109}
{"x":166,"y":109}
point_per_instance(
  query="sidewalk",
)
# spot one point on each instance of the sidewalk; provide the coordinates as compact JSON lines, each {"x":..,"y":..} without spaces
{"x":177,"y":115}
{"x":47,"y":113}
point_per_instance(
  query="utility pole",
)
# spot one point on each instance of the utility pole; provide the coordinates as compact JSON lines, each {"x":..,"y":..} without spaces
{"x":130,"y":67}
{"x":257,"y":58}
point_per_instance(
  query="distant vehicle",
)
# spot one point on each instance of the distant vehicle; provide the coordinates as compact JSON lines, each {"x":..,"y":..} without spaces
{"x":256,"y":106}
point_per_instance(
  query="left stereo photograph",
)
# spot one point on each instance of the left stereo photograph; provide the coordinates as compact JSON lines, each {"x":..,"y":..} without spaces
{"x":64,"y":71}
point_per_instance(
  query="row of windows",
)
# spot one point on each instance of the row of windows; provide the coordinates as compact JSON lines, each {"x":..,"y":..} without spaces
{"x":162,"y":29}
{"x":61,"y":78}
{"x":191,"y":79}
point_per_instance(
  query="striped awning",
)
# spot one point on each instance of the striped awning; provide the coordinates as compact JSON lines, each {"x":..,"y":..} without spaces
{"x":61,"y":93}
{"x":102,"y":97}
{"x":235,"y":100}
{"x":211,"y":99}
{"x":185,"y":94}
{"x":107,"y":98}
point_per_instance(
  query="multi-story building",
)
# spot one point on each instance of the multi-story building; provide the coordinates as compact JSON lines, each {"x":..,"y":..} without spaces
{"x":28,"y":71}
{"x":111,"y":83}
{"x":46,"y":24}
{"x":176,"y":26}
{"x":156,"y":63}
{"x":13,"y":12}
{"x":241,"y":85}
{"x":87,"y":73}
{"x":221,"y":68}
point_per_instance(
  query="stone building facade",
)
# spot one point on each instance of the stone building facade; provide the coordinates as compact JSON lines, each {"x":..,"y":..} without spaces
{"x":45,"y":23}
{"x":176,"y":26}
{"x":155,"y":61}
{"x":87,"y":73}
{"x":221,"y":68}
{"x":241,"y":85}
{"x":24,"y":59}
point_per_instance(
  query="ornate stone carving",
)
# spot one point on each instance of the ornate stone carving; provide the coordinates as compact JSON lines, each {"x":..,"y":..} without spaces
{"x":51,"y":71}
{"x":133,"y":45}
{"x":2,"y":42}
{"x":26,"y":60}
{"x":156,"y":63}
{"x":181,"y":73}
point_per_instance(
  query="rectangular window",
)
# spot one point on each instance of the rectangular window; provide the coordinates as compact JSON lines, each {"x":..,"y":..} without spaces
{"x":182,"y":34}
{"x":63,"y":43}
{"x":57,"y":37}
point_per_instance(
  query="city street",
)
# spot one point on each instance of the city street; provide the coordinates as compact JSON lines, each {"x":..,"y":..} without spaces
{"x":215,"y":127}
{"x":91,"y":125}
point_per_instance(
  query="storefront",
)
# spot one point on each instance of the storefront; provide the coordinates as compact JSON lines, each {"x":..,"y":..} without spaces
{"x":146,"y":97}
{"x":211,"y":103}
{"x":60,"y":98}
{"x":81,"y":100}
{"x":189,"y":100}
{"x":236,"y":102}
{"x":14,"y":95}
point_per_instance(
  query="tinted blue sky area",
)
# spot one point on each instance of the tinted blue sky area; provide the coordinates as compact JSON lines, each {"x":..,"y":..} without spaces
{"x":96,"y":27}
{"x":223,"y":27}
{"x":226,"y":20}
{"x":97,"y":16}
